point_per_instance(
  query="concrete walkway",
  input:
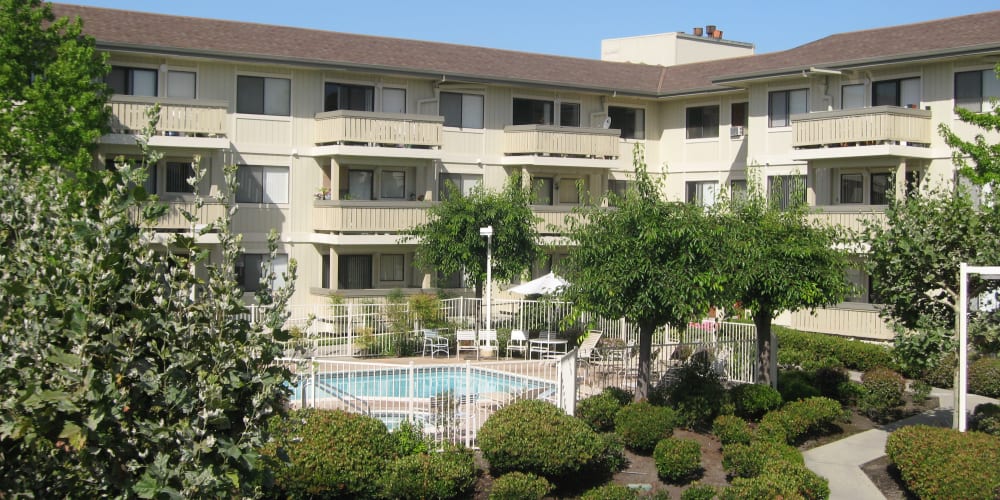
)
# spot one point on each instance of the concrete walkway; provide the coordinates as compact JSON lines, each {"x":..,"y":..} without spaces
{"x":840,"y":462}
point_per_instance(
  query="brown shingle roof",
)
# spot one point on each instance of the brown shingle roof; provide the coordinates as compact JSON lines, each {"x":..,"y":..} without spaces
{"x":156,"y":32}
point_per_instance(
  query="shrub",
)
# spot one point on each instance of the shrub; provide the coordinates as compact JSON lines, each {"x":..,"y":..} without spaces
{"x":610,"y":492}
{"x":612,"y":454}
{"x":448,"y":474}
{"x":829,"y":381}
{"x":943,"y":374}
{"x":520,"y":486}
{"x":537,"y":437}
{"x":815,"y":347}
{"x":677,"y":460}
{"x":731,"y":429}
{"x":330,"y":453}
{"x":624,"y":397}
{"x":748,"y":460}
{"x":917,"y":351}
{"x":882,"y":391}
{"x":752,"y":401}
{"x":795,"y":385}
{"x":697,"y":393}
{"x":642,"y":425}
{"x":799,"y":419}
{"x":986,"y":418}
{"x":780,"y":481}
{"x":944,"y":463}
{"x":699,"y":492}
{"x":409,"y":439}
{"x":921,"y":390}
{"x":599,"y":411}
{"x":984,"y":377}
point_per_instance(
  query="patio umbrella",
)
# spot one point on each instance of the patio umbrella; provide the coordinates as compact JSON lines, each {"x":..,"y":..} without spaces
{"x":550,"y":284}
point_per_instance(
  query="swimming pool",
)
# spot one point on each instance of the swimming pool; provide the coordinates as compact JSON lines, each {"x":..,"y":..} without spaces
{"x":427,"y":382}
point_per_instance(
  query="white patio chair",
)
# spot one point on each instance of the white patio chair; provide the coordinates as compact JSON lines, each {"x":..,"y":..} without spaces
{"x":588,"y":348}
{"x":435,"y":343}
{"x":465,"y":340}
{"x":488,"y":341}
{"x":518,"y":342}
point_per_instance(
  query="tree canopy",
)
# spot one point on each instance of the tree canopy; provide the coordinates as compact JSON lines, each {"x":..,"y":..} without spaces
{"x":984,"y":156}
{"x":449,"y":242}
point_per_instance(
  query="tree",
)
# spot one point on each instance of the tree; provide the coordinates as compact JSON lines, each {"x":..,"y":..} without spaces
{"x":449,"y":242}
{"x":114,"y":379}
{"x":647,"y":260}
{"x":985,"y":168}
{"x":776,"y":260}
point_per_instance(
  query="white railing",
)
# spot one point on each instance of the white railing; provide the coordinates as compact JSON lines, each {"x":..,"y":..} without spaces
{"x":551,"y":140}
{"x":177,"y":116}
{"x":387,"y":129}
{"x":852,"y":127}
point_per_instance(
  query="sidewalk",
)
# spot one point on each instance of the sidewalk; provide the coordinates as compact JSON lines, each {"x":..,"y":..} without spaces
{"x":840,"y":462}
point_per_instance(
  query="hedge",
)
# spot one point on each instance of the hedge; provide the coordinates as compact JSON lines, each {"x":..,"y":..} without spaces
{"x":520,"y":486}
{"x":752,"y":401}
{"x":599,"y":411}
{"x":984,"y":377}
{"x":448,"y":474}
{"x":749,"y":460}
{"x":799,"y":419}
{"x":943,"y":463}
{"x":642,"y":425}
{"x":677,"y":460}
{"x":731,"y":429}
{"x":797,"y":348}
{"x":779,"y":480}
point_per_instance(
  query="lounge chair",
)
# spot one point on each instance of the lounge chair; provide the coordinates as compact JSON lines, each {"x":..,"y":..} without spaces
{"x":488,"y":342}
{"x":518,"y":342}
{"x":588,"y":348}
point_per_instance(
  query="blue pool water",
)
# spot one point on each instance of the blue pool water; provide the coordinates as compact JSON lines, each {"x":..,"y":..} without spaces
{"x":426,"y":383}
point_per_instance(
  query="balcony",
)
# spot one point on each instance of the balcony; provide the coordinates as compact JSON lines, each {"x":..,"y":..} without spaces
{"x":553,"y":217}
{"x":174,"y":221}
{"x":549,"y":144}
{"x":372,"y":217}
{"x":878,"y":131}
{"x":851,"y":217}
{"x":178,"y":117}
{"x":368,"y":129}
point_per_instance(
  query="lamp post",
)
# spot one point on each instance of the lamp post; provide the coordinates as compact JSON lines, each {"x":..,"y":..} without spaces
{"x":488,"y":233}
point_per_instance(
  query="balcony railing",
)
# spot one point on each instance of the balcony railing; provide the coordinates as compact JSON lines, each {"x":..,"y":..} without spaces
{"x":368,"y":216}
{"x":189,"y":117}
{"x":378,"y":129}
{"x":174,"y":219}
{"x":553,"y":218}
{"x":860,"y":127}
{"x":851,"y":217}
{"x":550,"y":140}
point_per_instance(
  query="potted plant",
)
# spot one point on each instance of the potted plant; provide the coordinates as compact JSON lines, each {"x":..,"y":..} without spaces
{"x":323,"y":193}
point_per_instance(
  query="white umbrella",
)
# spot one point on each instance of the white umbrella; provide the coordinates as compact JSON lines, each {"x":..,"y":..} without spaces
{"x":545,"y":285}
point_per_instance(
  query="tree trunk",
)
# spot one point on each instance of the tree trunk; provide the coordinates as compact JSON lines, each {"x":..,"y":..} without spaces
{"x":645,"y":347}
{"x":762,"y":320}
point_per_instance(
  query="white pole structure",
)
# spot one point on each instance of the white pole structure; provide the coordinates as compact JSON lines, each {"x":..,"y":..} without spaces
{"x":488,"y":233}
{"x":964,"y":270}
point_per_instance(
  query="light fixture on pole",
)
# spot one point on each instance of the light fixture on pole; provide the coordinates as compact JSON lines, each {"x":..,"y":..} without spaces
{"x":488,"y":233}
{"x":964,"y":270}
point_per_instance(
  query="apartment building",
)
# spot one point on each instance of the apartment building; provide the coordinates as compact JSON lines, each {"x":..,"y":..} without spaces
{"x":343,"y":141}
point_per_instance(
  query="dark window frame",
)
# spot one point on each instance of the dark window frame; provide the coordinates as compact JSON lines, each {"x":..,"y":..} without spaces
{"x":349,"y":97}
{"x":459,"y":121}
{"x":128,"y":79}
{"x":628,"y":120}
{"x":702,"y":122}
{"x":247,"y":95}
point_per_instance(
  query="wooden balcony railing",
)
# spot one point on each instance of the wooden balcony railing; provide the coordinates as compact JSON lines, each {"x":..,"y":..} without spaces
{"x":550,"y":140}
{"x":859,"y":127}
{"x":190,"y":117}
{"x":378,"y":129}
{"x":850,"y":217}
{"x":553,"y":218}
{"x":368,"y":216}
{"x":174,"y":219}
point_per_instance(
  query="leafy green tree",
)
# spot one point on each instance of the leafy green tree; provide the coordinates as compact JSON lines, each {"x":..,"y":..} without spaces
{"x":125,"y":370}
{"x":450,"y":242}
{"x":647,"y":260}
{"x":985,"y":157}
{"x":776,"y":260}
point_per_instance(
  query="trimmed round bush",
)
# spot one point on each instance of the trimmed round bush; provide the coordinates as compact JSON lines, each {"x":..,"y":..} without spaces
{"x":829,"y":381}
{"x":677,"y":460}
{"x":779,"y":480}
{"x":448,"y":474}
{"x":599,"y":411}
{"x":942,"y":375}
{"x":936,"y":462}
{"x":699,"y":492}
{"x":799,"y":419}
{"x":624,"y":397}
{"x":882,"y":391}
{"x":610,"y":492}
{"x":986,"y":418}
{"x":537,"y":437}
{"x":795,"y":385}
{"x":731,"y":429}
{"x":697,"y":393}
{"x":752,"y":401}
{"x":984,"y":377}
{"x":748,"y":460}
{"x":330,"y":453}
{"x":520,"y":486}
{"x":642,"y":425}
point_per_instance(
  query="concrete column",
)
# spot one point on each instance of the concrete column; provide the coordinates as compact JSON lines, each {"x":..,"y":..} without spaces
{"x":899,"y":184}
{"x":810,"y":186}
{"x":334,"y":268}
{"x":334,"y":180}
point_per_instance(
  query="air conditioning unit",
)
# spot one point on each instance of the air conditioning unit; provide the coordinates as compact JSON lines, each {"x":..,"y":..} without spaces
{"x":736,"y":132}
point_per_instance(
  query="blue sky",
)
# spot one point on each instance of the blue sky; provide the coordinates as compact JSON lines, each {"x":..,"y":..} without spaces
{"x":569,"y":28}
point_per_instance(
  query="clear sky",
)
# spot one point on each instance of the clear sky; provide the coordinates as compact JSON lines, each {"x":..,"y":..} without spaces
{"x":569,"y":28}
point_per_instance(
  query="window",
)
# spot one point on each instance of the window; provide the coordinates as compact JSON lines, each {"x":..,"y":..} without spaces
{"x":391,"y":268}
{"x":701,"y":193}
{"x":393,"y":185}
{"x":462,"y":110}
{"x":881,"y":190}
{"x":973,"y":89}
{"x":631,"y":121}
{"x":394,"y":100}
{"x":703,"y":122}
{"x":569,"y":191}
{"x":617,"y":188}
{"x":782,"y":104}
{"x":852,"y":188}
{"x":259,"y":184}
{"x":182,"y":84}
{"x":738,"y":189}
{"x":136,"y":162}
{"x":738,"y":113}
{"x":462,"y":183}
{"x":569,"y":114}
{"x":859,"y":286}
{"x":324,"y":280}
{"x":852,"y":96}
{"x":177,"y":177}
{"x":250,"y":270}
{"x":354,"y":272}
{"x":533,"y":111}
{"x":352,"y":97}
{"x":903,"y":92}
{"x":541,"y":190}
{"x":132,"y":81}
{"x":259,"y":95}
{"x":359,"y":184}
{"x":785,"y":191}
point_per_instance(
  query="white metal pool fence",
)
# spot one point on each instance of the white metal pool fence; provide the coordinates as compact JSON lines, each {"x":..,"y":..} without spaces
{"x":449,"y":401}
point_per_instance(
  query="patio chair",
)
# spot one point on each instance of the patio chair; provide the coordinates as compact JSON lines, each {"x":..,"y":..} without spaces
{"x":465,"y":340}
{"x":588,"y":348}
{"x":488,"y":342}
{"x":518,"y":342}
{"x":435,"y":343}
